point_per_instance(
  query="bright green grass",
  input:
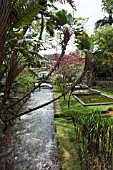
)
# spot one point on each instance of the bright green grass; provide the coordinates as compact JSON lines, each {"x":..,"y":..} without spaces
{"x":67,"y":145}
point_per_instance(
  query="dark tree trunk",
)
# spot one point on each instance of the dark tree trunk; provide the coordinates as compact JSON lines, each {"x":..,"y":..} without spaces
{"x":110,"y":18}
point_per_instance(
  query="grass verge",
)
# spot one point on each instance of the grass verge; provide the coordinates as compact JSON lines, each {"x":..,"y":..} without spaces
{"x":67,"y":146}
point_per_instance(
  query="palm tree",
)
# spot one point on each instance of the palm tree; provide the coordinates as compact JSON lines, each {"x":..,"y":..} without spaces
{"x":86,"y":44}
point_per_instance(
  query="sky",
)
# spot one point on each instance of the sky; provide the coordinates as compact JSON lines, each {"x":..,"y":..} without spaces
{"x":87,"y":9}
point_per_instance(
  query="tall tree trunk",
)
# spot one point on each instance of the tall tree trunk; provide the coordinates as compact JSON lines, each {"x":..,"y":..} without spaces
{"x":5,"y":11}
{"x":110,"y":18}
{"x":2,"y":43}
{"x":42,"y":25}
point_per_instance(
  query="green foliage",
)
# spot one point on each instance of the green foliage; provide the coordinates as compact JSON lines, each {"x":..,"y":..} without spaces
{"x":94,"y":132}
{"x":83,"y":42}
{"x":25,"y":11}
{"x":67,"y":148}
{"x":58,"y":20}
{"x":102,"y":65}
{"x":105,"y":85}
{"x":96,"y":135}
{"x":103,"y":37}
{"x":58,"y":80}
{"x":107,"y":5}
{"x":76,"y":106}
{"x":21,"y":50}
{"x":25,"y":81}
{"x":62,"y":18}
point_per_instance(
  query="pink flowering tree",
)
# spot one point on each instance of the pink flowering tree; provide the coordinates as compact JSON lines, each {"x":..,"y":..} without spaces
{"x":68,"y":68}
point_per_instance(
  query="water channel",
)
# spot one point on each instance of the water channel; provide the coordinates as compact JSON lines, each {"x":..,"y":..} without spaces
{"x":32,"y":142}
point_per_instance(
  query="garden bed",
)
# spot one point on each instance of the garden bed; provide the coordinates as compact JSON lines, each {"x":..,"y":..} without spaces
{"x":93,"y":100}
{"x":91,"y":97}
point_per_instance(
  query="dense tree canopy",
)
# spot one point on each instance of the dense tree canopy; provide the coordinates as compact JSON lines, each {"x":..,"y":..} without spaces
{"x":107,"y":5}
{"x":103,"y":37}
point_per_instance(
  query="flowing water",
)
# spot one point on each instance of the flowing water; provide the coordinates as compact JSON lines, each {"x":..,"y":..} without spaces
{"x":32,"y":144}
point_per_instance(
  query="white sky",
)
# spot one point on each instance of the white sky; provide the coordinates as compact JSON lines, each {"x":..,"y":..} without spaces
{"x":87,"y":9}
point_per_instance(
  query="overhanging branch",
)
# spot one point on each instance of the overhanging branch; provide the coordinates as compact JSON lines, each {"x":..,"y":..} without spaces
{"x":65,"y":42}
{"x":51,"y":101}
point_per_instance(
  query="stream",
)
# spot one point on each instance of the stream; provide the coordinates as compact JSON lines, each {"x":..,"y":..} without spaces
{"x":32,"y":143}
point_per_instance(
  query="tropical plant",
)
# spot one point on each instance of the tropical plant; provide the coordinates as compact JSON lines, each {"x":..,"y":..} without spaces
{"x":95,"y":135}
{"x":71,"y":2}
{"x":102,"y":66}
{"x":17,"y":50}
{"x":16,"y":53}
{"x":107,"y":5}
{"x":86,"y":44}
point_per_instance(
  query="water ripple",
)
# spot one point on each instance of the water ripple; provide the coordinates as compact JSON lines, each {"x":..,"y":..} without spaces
{"x":32,"y":142}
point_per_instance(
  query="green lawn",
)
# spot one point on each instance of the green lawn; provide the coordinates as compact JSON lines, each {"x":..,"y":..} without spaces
{"x":67,"y":145}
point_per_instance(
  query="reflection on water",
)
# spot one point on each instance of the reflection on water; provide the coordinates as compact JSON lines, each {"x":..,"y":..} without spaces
{"x":32,"y":142}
